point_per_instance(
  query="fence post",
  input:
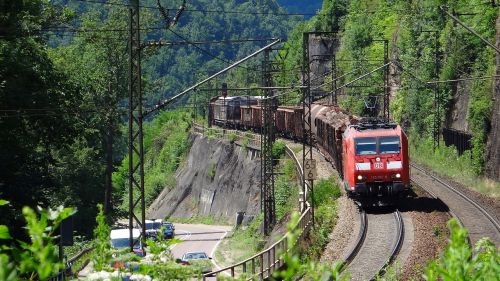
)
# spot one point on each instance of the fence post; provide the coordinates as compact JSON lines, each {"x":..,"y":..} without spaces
{"x":261,"y":266}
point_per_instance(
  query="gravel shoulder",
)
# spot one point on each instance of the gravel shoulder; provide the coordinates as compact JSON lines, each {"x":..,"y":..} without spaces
{"x":430,"y":234}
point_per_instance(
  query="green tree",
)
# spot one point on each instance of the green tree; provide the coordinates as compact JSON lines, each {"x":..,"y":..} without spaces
{"x":39,"y":109}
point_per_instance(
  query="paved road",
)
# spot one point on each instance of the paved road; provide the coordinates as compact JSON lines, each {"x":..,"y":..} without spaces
{"x":198,"y":238}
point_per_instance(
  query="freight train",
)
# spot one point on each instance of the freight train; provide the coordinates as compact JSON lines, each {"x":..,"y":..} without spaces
{"x":370,"y":154}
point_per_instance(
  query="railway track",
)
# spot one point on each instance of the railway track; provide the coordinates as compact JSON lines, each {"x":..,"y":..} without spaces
{"x":479,"y":221}
{"x":374,"y":249}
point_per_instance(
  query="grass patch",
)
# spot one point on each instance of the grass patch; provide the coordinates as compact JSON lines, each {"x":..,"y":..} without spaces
{"x":198,"y":220}
{"x":326,"y":193}
{"x":241,"y":244}
{"x":446,"y":161}
{"x":286,"y":189}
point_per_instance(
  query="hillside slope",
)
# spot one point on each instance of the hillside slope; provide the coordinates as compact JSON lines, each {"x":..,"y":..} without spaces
{"x":218,"y":179}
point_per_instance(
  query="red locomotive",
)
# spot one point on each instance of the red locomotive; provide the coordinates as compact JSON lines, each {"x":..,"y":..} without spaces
{"x":375,"y":162}
{"x":370,"y":155}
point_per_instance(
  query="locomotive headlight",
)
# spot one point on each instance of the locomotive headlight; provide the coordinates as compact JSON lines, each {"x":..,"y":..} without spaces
{"x":360,"y":177}
{"x":398,"y":175}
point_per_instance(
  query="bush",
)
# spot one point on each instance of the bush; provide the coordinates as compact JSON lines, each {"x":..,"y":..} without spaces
{"x":232,"y":137}
{"x":278,"y":149}
{"x":38,"y":258}
{"x":460,"y":261}
{"x":325,"y":191}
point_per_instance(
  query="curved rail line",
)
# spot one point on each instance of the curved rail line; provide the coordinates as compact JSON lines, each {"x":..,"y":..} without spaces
{"x":360,"y":240}
{"x":361,"y":243}
{"x":465,"y":197}
{"x":397,"y":246}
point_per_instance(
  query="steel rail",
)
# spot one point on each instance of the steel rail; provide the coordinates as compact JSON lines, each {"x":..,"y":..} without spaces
{"x":397,"y":246}
{"x":465,"y":197}
{"x":359,"y":242}
{"x":449,"y":212}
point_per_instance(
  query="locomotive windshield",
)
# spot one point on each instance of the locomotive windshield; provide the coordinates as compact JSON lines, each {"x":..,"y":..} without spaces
{"x":380,"y":145}
{"x":389,"y":145}
{"x":366,"y":146}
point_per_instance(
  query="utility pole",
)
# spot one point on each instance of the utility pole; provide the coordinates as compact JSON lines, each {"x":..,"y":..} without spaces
{"x":267,"y":142}
{"x":307,"y":98}
{"x":334,"y":78}
{"x":135,"y":132}
{"x":386,"y":80}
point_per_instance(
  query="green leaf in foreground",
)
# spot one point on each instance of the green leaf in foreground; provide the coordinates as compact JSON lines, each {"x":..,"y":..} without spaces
{"x":4,"y":232}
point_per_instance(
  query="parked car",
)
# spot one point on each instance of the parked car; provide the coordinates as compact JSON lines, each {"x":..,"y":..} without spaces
{"x":120,"y":239}
{"x":197,"y":259}
{"x":168,"y":230}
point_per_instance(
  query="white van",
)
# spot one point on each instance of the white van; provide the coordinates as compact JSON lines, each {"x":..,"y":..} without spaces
{"x":120,"y":238}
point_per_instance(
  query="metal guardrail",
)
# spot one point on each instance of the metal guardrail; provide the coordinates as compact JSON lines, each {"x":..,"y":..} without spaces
{"x":262,"y":265}
{"x":243,"y":139}
{"x":68,"y":270}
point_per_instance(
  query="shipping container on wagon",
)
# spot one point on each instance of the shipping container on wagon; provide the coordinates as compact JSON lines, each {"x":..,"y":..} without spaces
{"x":227,"y":110}
{"x":280,"y":122}
{"x":246,"y":116}
{"x":257,"y":117}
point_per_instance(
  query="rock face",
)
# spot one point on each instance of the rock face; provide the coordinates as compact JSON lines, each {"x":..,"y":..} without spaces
{"x":456,"y":117}
{"x":218,"y":180}
{"x":493,"y":145}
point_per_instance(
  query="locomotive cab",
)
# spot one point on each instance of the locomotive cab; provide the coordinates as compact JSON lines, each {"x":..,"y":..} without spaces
{"x":376,"y":163}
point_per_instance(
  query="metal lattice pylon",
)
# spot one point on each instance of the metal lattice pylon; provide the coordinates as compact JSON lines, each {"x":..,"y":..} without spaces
{"x":306,"y":122}
{"x":267,"y":141}
{"x":135,"y":137}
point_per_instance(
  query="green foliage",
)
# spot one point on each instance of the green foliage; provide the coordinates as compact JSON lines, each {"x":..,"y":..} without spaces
{"x":233,"y":136}
{"x":326,"y":190}
{"x":161,"y":246}
{"x":446,"y":161}
{"x":197,"y":220}
{"x":278,"y":149}
{"x":460,"y":261}
{"x":169,"y":271}
{"x":282,"y":194}
{"x":286,"y":189}
{"x":101,"y":243}
{"x":309,"y":270}
{"x":166,"y":144}
{"x":37,"y":259}
{"x":242,"y":243}
{"x":211,"y":170}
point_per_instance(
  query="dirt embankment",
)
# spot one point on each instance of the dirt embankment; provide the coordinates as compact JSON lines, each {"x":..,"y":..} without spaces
{"x":218,"y":179}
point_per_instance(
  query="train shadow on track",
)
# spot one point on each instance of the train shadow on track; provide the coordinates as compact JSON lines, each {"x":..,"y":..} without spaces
{"x":422,"y":204}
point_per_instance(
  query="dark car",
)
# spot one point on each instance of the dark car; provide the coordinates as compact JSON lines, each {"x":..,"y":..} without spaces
{"x":168,"y":230}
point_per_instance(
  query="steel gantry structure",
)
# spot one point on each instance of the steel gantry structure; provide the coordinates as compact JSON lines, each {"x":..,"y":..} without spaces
{"x":267,"y":141}
{"x":135,"y":130}
{"x":137,"y":115}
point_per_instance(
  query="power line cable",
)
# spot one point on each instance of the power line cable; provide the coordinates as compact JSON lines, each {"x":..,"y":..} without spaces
{"x":210,"y":54}
{"x":203,"y":11}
